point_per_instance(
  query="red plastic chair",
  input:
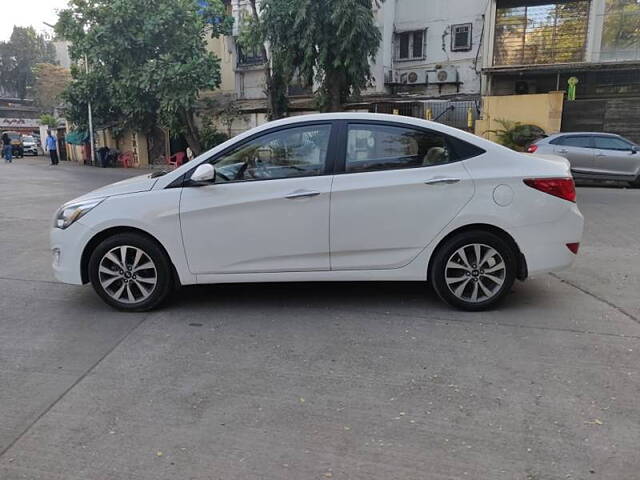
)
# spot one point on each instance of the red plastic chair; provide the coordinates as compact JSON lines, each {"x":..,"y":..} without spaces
{"x":126,"y":159}
{"x":177,"y":159}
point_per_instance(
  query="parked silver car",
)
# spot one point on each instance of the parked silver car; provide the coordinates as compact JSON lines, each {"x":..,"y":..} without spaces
{"x":594,"y":155}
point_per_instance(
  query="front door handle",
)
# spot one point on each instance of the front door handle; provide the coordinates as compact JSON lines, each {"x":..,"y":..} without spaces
{"x":302,"y":194}
{"x":600,"y":154}
{"x":442,"y":181}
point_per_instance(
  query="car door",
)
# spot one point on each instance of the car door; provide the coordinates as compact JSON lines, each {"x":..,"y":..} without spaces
{"x":614,"y":156}
{"x":268,"y":208}
{"x":399,"y":187}
{"x":578,"y":149}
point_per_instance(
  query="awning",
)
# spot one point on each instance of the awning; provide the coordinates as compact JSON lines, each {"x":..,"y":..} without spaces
{"x":77,"y":137}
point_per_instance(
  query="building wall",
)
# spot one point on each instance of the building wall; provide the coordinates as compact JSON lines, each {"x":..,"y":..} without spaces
{"x":543,"y":110}
{"x":222,"y":47}
{"x":437,"y":17}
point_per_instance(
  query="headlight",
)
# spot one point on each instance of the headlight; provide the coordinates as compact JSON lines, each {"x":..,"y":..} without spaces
{"x":73,"y":211}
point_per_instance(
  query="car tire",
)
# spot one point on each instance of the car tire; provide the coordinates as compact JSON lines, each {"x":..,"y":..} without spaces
{"x":465,"y":282}
{"x":123,"y":284}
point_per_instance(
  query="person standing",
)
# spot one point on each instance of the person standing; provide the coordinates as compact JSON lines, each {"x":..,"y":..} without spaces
{"x":6,"y":148}
{"x":52,"y":147}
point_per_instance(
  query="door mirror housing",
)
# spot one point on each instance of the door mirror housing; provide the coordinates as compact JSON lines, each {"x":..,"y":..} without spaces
{"x":205,"y":173}
{"x":634,"y":149}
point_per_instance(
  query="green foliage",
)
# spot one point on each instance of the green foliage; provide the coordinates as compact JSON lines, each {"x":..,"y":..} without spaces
{"x":210,"y":136}
{"x":329,"y":41}
{"x":515,"y":135}
{"x":19,"y":55}
{"x":48,"y":120}
{"x":147,"y":61}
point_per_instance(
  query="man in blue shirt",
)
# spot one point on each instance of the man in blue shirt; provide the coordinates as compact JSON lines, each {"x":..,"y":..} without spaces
{"x":52,"y":147}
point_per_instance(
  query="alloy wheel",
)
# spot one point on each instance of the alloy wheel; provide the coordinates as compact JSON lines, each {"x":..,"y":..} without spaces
{"x":475,"y":272}
{"x":127,"y":274}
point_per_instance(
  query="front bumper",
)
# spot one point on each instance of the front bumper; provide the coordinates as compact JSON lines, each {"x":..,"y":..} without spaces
{"x":66,"y":251}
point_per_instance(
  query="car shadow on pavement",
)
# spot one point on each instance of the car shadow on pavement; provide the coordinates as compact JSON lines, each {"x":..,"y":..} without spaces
{"x":394,"y":297}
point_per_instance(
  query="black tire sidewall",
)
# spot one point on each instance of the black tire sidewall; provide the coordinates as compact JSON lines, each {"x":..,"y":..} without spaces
{"x":444,"y":252}
{"x":153,"y":250}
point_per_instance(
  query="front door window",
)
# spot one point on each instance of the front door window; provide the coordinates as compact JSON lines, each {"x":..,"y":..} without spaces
{"x":294,"y":152}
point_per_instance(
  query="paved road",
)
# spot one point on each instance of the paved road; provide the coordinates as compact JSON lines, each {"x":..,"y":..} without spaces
{"x":357,"y":381}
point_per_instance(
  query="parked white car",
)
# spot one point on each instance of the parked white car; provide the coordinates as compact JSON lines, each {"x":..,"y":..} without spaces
{"x":329,"y":197}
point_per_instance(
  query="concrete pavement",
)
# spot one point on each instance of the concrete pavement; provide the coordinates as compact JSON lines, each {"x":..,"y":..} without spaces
{"x":316,"y":381}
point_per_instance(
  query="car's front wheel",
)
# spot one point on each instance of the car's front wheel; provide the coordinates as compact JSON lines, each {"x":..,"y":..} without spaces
{"x":473,"y":270}
{"x":130,"y":272}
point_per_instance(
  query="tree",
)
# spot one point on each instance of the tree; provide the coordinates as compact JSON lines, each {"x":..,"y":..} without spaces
{"x":19,"y":55}
{"x":50,"y":82}
{"x":146,"y":59}
{"x":329,"y":41}
{"x":48,"y":120}
{"x":255,"y":35}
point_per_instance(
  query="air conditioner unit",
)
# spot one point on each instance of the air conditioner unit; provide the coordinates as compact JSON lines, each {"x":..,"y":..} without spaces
{"x":416,"y":77}
{"x":448,"y":74}
{"x":405,"y":77}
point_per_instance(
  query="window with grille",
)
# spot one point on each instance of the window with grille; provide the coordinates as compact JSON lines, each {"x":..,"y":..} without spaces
{"x":533,"y":33}
{"x":411,"y":45}
{"x":461,"y":37}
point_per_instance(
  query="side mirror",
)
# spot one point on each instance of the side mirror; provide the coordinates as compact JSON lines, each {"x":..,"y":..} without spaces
{"x":634,"y":149}
{"x":204,"y":173}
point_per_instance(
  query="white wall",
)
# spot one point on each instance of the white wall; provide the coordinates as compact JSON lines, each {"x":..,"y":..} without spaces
{"x":437,"y":16}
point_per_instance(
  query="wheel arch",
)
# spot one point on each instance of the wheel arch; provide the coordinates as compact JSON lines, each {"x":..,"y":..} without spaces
{"x":109,"y":232}
{"x":522,"y":272}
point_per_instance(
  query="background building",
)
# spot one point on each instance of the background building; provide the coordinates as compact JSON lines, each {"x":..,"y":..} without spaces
{"x":535,"y":47}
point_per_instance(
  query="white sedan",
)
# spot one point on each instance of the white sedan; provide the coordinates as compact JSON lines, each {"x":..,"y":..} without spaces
{"x":329,"y":197}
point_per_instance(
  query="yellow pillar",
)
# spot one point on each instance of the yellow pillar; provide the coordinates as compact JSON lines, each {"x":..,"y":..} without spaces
{"x":428,"y":114}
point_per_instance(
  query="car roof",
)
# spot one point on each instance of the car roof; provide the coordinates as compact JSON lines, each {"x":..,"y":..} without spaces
{"x":476,"y":140}
{"x":577,"y":134}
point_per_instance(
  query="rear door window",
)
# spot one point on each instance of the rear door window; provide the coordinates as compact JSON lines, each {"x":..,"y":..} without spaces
{"x":582,"y":141}
{"x":385,"y":147}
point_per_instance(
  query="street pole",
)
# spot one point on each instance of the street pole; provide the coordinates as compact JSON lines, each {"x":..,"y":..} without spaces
{"x":93,"y":150}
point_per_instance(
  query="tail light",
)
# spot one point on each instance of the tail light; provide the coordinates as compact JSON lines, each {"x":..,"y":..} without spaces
{"x":558,"y":187}
{"x":573,"y":247}
{"x":532,"y":148}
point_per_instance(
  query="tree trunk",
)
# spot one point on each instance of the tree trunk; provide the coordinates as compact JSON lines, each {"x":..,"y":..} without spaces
{"x":275,"y":109}
{"x":191,"y":133}
{"x":334,"y":86}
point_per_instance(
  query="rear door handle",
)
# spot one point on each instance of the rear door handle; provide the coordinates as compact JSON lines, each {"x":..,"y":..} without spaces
{"x":601,"y":154}
{"x":563,"y":150}
{"x":441,"y":181}
{"x":302,"y":194}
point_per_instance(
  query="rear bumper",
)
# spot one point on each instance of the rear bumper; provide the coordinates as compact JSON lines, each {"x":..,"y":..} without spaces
{"x":544,"y":246}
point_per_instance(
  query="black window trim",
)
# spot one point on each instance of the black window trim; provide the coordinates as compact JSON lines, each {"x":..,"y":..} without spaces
{"x":341,"y":159}
{"x":329,"y":166}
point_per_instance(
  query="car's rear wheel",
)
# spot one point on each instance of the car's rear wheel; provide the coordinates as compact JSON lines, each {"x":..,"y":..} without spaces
{"x":130,"y":272}
{"x":473,"y":270}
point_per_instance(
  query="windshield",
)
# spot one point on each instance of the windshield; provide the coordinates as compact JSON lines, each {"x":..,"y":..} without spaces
{"x":27,"y":138}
